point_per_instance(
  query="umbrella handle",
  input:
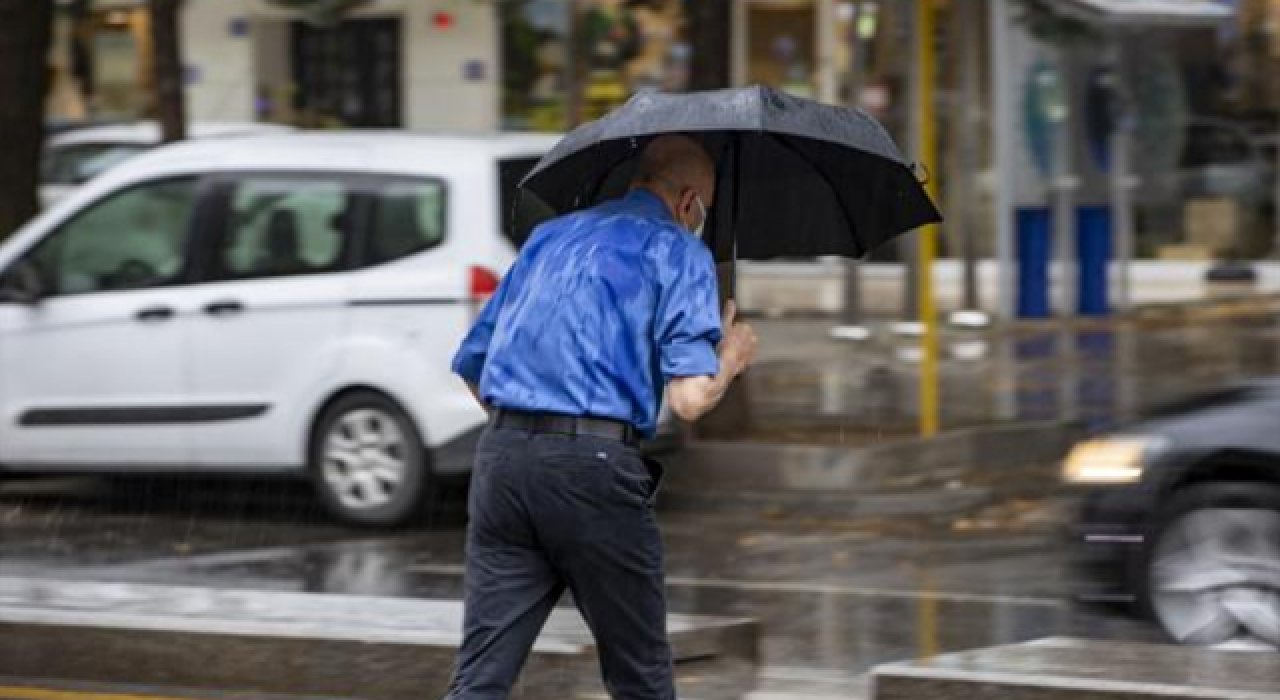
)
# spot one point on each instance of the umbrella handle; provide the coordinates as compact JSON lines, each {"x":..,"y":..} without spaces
{"x":733,"y":269}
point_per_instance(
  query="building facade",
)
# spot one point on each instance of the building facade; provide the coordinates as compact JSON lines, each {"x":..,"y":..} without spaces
{"x":467,"y":64}
{"x":483,"y":65}
{"x":422,"y":64}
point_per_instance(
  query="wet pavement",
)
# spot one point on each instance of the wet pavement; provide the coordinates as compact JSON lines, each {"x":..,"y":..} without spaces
{"x":835,"y":595}
{"x":808,"y":388}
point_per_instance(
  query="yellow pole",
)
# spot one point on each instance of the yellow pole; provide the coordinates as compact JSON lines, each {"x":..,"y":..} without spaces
{"x":928,"y":242}
{"x":927,"y":641}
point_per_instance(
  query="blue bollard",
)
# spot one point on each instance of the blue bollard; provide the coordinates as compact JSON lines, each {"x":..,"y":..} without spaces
{"x":1034,"y":247}
{"x":1093,"y":249}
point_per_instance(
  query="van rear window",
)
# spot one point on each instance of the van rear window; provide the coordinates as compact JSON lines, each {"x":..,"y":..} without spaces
{"x":522,"y":211}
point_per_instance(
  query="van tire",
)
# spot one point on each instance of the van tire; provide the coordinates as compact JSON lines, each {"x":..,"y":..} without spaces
{"x":368,"y":463}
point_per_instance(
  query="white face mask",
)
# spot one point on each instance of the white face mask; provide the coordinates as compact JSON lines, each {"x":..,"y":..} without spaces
{"x":701,"y":228}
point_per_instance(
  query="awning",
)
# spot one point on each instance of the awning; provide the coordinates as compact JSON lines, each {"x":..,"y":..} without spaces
{"x":1148,"y":13}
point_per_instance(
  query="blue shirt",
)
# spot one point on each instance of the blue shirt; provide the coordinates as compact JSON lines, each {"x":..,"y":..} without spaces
{"x":602,"y":308}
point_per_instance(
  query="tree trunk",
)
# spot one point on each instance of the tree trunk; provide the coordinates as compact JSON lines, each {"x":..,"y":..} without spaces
{"x":709,"y":26}
{"x":169,"y":76}
{"x":26,"y":29}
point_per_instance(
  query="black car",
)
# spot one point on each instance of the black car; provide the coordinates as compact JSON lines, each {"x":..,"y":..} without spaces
{"x":1180,"y":517}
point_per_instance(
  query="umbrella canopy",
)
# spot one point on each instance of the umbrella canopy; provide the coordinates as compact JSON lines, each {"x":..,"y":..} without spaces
{"x":795,"y":178}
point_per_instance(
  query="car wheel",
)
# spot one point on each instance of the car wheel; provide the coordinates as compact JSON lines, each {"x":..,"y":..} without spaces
{"x":1213,"y":568}
{"x":368,"y":461}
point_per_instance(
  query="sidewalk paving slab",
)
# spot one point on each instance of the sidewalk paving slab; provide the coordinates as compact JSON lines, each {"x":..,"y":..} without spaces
{"x":1077,"y":669}
{"x":314,"y":644}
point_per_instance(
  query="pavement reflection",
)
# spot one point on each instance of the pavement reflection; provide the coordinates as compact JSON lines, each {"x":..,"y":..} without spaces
{"x":808,"y":388}
{"x":836,"y":595}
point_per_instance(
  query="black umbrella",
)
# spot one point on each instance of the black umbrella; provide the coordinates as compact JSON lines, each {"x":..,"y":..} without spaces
{"x":796,"y":178}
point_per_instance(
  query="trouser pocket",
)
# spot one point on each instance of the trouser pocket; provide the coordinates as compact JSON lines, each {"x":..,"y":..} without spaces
{"x":656,"y":475}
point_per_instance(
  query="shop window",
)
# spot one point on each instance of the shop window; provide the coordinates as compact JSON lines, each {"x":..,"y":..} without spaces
{"x":561,"y":68}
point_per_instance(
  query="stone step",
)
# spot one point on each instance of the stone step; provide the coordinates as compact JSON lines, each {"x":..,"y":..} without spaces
{"x":1077,"y":669}
{"x":313,"y":644}
{"x":55,"y":689}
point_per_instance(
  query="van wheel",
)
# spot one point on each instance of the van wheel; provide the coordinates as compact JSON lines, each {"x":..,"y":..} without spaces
{"x":368,"y":463}
{"x":1213,"y":568}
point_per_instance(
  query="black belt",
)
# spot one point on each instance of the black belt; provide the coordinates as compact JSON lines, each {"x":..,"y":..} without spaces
{"x":557,"y":424}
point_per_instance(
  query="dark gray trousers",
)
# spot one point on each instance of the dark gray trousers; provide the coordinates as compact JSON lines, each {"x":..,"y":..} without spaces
{"x":550,"y":512}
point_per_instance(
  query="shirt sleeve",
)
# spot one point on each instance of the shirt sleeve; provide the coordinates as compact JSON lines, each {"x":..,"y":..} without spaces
{"x":688,"y":323}
{"x":469,"y":361}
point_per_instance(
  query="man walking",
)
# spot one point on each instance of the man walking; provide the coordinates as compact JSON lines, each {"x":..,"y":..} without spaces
{"x":603,"y":308}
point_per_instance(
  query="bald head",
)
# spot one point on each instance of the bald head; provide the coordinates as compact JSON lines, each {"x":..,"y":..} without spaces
{"x":676,"y":161}
{"x":679,"y":171}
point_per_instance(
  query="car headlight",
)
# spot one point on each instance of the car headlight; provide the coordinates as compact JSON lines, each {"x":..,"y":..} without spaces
{"x":1118,"y":460}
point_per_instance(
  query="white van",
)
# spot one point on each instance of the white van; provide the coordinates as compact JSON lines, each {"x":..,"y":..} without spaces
{"x":282,"y":303}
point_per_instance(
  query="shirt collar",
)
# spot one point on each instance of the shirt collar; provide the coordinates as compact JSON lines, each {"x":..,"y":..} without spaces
{"x":646,"y":202}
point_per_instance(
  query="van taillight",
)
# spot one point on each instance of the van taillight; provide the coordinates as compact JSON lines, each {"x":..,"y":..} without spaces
{"x":483,"y":284}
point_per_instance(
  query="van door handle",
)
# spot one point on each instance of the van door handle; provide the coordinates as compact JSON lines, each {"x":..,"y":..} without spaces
{"x":154,"y":314}
{"x":224,"y":308}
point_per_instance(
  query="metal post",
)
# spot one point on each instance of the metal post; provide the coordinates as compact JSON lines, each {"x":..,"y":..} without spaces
{"x":1121,"y":200}
{"x":909,"y":253}
{"x":1063,"y":195}
{"x":927,"y":241}
{"x":852,"y":315}
{"x":968,"y":36}
{"x":907,"y":247}
{"x":1004,"y":140}
{"x":1063,"y":202}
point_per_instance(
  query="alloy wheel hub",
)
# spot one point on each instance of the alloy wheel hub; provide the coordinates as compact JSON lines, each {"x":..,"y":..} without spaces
{"x":1215,"y":577}
{"x":364,"y":459}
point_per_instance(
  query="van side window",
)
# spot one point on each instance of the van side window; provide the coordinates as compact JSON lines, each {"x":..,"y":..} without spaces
{"x":409,"y":216}
{"x":279,"y":227}
{"x":133,"y":239}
